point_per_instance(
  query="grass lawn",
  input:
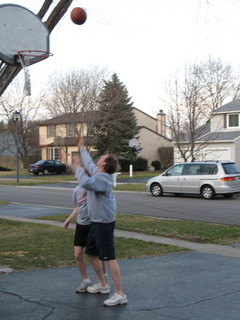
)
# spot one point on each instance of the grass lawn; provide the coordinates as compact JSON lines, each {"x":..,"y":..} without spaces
{"x":178,"y":229}
{"x":25,"y":246}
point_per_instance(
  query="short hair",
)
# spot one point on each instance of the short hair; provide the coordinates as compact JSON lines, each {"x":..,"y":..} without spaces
{"x":111,"y":164}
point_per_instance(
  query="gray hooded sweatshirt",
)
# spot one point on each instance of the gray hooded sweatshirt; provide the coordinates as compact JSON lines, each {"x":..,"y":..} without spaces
{"x":101,"y":201}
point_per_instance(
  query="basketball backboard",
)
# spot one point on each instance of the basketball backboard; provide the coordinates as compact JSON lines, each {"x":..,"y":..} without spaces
{"x":24,"y":40}
{"x":20,"y":30}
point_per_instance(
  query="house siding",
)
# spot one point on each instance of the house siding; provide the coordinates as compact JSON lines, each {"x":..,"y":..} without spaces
{"x":217,"y":123}
{"x":151,"y":142}
{"x":145,"y":120}
{"x":237,"y":151}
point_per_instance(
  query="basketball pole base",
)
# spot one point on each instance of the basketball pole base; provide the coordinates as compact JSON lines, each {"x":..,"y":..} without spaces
{"x":130,"y":170}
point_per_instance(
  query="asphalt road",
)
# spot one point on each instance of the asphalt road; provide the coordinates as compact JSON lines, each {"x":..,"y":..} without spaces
{"x":219,"y":210}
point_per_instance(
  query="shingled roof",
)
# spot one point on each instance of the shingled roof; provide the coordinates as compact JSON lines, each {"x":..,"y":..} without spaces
{"x":233,"y":106}
{"x":70,"y":118}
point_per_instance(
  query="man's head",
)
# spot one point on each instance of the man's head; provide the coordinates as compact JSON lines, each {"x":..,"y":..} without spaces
{"x":107,"y":163}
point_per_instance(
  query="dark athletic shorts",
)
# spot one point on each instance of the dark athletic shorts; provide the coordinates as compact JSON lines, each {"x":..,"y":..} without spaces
{"x":81,"y":234}
{"x":100,"y":241}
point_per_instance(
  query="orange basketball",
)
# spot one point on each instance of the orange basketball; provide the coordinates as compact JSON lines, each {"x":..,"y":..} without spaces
{"x":78,"y":15}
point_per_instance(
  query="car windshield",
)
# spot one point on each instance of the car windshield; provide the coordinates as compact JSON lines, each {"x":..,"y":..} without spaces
{"x":231,"y":168}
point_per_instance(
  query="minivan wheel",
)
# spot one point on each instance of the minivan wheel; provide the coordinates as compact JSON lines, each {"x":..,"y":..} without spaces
{"x":156,"y":190}
{"x":208,"y":192}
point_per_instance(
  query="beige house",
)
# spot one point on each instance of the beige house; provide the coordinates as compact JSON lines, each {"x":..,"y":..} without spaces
{"x":57,"y":136}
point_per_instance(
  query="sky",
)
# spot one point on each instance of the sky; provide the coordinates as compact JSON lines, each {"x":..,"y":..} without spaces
{"x":144,"y":42}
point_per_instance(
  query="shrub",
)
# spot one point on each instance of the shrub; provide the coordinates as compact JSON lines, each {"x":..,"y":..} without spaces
{"x":156,"y":164}
{"x":140,"y":164}
{"x":124,"y":164}
{"x":4,"y":169}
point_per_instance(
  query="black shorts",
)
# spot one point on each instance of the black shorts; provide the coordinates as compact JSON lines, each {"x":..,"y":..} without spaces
{"x":81,"y":234}
{"x":100,"y":241}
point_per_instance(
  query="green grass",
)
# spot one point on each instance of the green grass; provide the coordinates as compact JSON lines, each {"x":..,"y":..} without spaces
{"x":131,"y":187}
{"x":4,"y":202}
{"x":25,"y":246}
{"x":178,"y":229}
{"x":139,"y":174}
{"x":26,"y":182}
{"x":13,"y":173}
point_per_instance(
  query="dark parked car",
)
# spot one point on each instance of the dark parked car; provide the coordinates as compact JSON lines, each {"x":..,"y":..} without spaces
{"x":47,"y":166}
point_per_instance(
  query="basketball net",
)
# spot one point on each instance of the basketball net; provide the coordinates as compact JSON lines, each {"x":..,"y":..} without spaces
{"x":26,"y":58}
{"x":25,"y":62}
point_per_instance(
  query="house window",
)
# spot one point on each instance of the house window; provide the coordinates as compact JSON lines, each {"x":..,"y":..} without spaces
{"x":53,"y":153}
{"x":233,"y":120}
{"x":51,"y":131}
{"x":70,"y":130}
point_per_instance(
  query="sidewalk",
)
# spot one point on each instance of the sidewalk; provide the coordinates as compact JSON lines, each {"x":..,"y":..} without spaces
{"x":183,"y":286}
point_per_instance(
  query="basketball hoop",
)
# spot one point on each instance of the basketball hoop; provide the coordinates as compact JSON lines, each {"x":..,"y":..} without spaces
{"x":27,"y":58}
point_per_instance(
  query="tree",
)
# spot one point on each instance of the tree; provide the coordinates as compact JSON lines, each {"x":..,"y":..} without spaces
{"x":27,"y":139}
{"x":205,"y":87}
{"x":75,"y":94}
{"x":75,"y":90}
{"x":116,"y":122}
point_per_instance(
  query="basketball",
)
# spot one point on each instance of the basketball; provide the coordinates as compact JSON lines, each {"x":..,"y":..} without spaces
{"x":78,"y":15}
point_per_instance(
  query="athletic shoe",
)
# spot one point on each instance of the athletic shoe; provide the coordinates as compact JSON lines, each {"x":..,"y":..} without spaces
{"x":97,"y":288}
{"x":115,"y":299}
{"x":83,"y":286}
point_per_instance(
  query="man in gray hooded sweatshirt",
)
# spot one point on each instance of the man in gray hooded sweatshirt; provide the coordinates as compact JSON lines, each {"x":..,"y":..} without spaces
{"x":102,"y":211}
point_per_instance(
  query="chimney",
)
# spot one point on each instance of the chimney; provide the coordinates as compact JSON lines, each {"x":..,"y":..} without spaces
{"x":161,"y":123}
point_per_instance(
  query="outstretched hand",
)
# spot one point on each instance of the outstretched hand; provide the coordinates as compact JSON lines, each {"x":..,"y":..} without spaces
{"x":80,"y":142}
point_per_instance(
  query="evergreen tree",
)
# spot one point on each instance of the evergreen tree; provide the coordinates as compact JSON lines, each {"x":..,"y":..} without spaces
{"x":116,"y":123}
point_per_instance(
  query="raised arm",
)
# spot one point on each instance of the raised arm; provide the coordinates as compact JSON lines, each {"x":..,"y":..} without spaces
{"x":87,"y":161}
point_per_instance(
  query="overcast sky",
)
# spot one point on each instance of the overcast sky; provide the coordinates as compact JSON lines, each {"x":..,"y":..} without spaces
{"x":144,"y":42}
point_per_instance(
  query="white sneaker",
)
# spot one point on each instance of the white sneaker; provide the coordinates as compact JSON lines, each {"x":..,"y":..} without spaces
{"x":97,"y":288}
{"x":115,"y":299}
{"x":83,"y":286}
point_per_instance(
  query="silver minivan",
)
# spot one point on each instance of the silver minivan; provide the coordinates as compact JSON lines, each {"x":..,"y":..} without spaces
{"x":207,"y":178}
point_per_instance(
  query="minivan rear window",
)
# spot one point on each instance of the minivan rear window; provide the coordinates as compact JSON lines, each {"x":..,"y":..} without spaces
{"x":230,"y":168}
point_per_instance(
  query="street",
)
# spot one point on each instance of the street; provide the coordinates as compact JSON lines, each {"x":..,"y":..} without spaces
{"x":219,"y":210}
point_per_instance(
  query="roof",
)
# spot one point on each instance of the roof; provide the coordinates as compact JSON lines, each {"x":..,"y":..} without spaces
{"x":71,"y":141}
{"x":158,"y":134}
{"x":77,"y":117}
{"x":220,"y":136}
{"x":200,"y":132}
{"x":233,"y":106}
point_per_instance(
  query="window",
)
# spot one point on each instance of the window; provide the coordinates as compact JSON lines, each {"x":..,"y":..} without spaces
{"x":70,"y":130}
{"x":53,"y":153}
{"x":51,"y":131}
{"x":191,"y":169}
{"x":175,"y":171}
{"x":233,"y":120}
{"x":230,"y":168}
{"x":209,"y":169}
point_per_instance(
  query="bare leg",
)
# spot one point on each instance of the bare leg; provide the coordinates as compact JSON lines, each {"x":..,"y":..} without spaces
{"x":98,"y":268}
{"x":78,"y":253}
{"x":116,"y":275}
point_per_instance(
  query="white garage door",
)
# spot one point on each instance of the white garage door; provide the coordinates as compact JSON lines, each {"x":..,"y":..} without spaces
{"x":216,"y":154}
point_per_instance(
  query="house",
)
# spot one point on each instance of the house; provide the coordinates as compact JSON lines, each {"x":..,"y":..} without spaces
{"x":57,"y":135}
{"x":7,"y":150}
{"x":221,"y":140}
